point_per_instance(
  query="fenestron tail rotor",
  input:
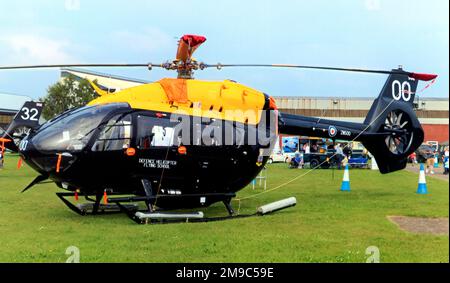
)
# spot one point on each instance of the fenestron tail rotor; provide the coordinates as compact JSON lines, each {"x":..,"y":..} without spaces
{"x":400,"y":125}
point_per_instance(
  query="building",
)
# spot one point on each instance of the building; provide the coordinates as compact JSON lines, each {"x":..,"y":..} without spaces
{"x":105,"y":81}
{"x":10,"y":104}
{"x":433,"y":113}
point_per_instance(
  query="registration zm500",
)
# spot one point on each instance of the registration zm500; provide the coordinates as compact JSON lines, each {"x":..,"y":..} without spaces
{"x":250,"y":272}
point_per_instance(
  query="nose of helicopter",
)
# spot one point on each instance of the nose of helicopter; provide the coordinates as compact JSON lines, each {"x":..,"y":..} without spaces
{"x":27,"y":152}
{"x":44,"y":163}
{"x":60,"y":141}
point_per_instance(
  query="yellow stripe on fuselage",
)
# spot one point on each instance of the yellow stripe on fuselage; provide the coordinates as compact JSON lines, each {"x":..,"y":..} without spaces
{"x":225,"y":100}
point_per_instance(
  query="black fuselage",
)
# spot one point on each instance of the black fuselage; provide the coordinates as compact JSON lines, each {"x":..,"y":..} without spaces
{"x":204,"y":167}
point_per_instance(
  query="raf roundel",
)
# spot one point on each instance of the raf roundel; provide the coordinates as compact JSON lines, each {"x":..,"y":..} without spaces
{"x":332,"y":131}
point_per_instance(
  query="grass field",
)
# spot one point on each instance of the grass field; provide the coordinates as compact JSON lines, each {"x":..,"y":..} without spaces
{"x":326,"y":225}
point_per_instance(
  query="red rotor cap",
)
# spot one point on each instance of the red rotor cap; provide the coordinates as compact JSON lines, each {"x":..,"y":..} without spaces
{"x":423,"y":77}
{"x":193,"y":40}
{"x":187,"y":46}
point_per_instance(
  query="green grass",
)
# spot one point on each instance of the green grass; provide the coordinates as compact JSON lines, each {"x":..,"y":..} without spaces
{"x":326,"y":225}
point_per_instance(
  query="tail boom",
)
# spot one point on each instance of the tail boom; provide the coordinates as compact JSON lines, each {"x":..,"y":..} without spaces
{"x":391,"y":130}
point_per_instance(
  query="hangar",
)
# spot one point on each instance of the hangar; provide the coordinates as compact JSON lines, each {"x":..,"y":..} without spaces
{"x":433,"y":112}
{"x":9,"y":105}
{"x":105,"y":81}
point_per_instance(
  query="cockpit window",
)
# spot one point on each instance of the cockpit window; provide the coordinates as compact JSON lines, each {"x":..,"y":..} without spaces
{"x":116,"y":135}
{"x":72,"y":132}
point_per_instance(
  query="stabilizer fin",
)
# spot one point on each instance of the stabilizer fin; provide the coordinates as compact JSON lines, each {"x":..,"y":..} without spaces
{"x":97,"y":89}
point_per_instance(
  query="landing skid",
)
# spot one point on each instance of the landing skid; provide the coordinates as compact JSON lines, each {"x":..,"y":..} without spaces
{"x":153,"y":216}
{"x":159,"y":216}
{"x":93,"y":207}
{"x":144,"y":217}
{"x":164,"y":218}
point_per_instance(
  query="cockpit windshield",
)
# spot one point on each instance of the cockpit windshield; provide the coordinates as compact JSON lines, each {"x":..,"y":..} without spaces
{"x":72,"y":132}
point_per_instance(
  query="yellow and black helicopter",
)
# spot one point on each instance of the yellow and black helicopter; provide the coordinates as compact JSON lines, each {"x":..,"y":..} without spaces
{"x":186,"y":143}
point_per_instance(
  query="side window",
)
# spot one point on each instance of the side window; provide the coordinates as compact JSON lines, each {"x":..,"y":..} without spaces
{"x":116,"y":135}
{"x":152,"y":132}
{"x":162,"y":136}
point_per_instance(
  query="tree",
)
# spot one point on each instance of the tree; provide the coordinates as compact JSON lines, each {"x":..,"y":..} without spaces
{"x":65,"y":94}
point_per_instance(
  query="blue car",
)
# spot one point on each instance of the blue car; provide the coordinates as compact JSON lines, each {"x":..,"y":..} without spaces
{"x":358,"y":161}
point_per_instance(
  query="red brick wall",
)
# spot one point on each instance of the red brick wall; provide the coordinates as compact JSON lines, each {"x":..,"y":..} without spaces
{"x":435,"y":132}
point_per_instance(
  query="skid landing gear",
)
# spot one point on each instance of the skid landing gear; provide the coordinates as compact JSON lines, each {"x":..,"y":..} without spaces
{"x":227,"y":204}
{"x":152,"y":215}
{"x":160,"y":217}
{"x":92,"y":207}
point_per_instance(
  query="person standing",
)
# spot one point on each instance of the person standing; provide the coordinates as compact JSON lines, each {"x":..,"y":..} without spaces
{"x":445,"y":160}
{"x":413,"y":158}
{"x":306,"y":148}
{"x":429,"y":156}
{"x":347,"y":151}
{"x":339,"y":155}
{"x":345,"y":161}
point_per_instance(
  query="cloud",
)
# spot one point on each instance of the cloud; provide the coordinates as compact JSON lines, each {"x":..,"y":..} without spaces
{"x":373,"y":5}
{"x":149,"y":40}
{"x":36,"y":49}
{"x":72,"y":5}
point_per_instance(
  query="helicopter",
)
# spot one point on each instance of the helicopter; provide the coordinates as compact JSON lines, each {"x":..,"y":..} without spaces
{"x":183,"y":143}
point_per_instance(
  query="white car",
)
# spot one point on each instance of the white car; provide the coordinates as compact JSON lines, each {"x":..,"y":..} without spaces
{"x":278,"y":157}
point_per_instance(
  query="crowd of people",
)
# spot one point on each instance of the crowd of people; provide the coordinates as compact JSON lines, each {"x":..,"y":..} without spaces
{"x":342,"y":153}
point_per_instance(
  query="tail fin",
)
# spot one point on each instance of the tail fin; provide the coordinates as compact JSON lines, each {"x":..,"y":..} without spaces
{"x":394,"y":131}
{"x":25,"y":120}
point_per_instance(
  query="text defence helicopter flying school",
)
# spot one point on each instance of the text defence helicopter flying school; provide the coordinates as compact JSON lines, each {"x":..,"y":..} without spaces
{"x":185,"y":143}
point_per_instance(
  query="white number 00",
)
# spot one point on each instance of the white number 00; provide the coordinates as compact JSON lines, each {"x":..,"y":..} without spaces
{"x":401,"y":90}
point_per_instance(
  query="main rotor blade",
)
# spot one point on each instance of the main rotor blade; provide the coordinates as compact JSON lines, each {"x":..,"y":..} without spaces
{"x":121,"y":65}
{"x":201,"y":66}
{"x":219,"y":66}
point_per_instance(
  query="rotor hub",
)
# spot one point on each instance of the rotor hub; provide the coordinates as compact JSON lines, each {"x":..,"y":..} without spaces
{"x":185,"y":69}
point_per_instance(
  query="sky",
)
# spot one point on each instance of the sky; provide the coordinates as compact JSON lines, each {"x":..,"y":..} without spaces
{"x":376,"y":34}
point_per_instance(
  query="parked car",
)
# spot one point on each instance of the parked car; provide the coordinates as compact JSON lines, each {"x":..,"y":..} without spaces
{"x":358,"y":160}
{"x":325,"y":160}
{"x":433,"y":144}
{"x":423,"y":153}
{"x":278,"y":157}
